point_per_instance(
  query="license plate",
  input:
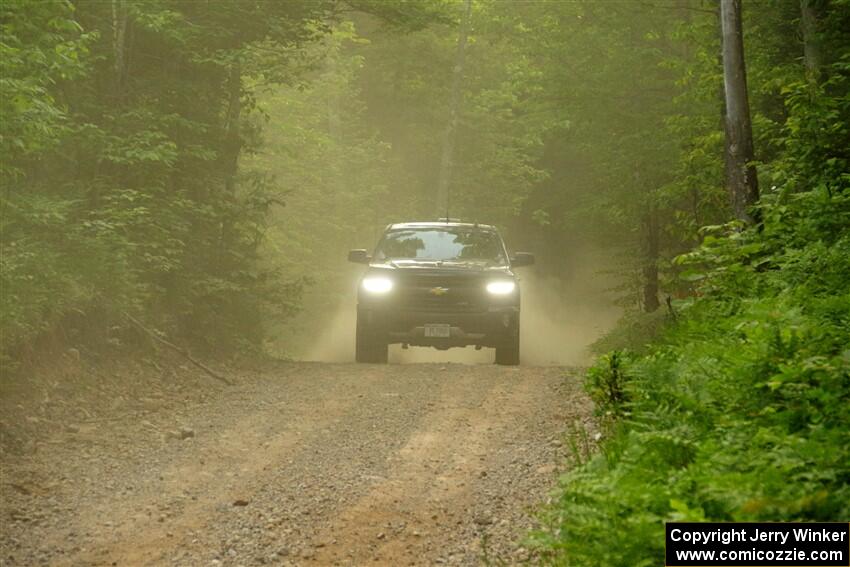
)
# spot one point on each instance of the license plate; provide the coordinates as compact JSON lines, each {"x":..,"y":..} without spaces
{"x":438,"y":331}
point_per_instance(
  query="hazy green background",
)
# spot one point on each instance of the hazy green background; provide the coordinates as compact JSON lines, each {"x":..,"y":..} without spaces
{"x":204,"y":166}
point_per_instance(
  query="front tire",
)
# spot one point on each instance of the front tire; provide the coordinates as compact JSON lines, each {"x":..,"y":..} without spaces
{"x":507,"y":354}
{"x":369,"y":346}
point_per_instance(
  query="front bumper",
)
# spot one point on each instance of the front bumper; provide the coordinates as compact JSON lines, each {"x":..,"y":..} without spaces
{"x":491,"y":328}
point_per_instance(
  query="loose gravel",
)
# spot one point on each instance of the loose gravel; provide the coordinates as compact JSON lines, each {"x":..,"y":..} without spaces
{"x":297,"y":464}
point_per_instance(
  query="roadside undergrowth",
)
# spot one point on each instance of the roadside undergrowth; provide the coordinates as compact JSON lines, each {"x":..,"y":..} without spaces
{"x":737,"y":411}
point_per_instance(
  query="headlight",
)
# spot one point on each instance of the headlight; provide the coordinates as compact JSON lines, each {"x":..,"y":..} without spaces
{"x":377,"y":284}
{"x":503,"y":287}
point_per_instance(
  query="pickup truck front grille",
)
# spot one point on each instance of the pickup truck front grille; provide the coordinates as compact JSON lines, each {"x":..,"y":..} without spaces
{"x":423,"y":293}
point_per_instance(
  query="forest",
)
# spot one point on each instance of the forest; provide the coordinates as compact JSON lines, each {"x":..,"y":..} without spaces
{"x":202,"y":167}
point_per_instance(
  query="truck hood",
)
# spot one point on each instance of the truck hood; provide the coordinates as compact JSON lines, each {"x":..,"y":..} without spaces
{"x":438,"y":267}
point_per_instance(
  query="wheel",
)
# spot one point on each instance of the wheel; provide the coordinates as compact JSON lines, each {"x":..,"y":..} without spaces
{"x":369,"y":346}
{"x":507,"y":354}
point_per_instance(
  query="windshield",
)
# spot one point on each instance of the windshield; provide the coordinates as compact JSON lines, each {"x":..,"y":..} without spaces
{"x":442,"y":244}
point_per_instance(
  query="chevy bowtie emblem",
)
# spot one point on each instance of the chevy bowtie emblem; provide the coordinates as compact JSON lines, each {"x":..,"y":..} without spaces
{"x":438,"y":290}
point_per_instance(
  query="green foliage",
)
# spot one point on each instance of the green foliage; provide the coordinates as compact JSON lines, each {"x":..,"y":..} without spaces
{"x":635,"y":331}
{"x":41,"y":46}
{"x":607,"y":384}
{"x":123,"y":124}
{"x":737,"y":411}
{"x":737,"y":414}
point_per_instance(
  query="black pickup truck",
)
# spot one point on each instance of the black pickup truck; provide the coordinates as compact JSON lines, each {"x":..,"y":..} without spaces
{"x":439,"y":284}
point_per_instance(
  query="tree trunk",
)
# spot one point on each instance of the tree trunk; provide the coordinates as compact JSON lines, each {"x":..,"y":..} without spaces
{"x":650,"y":267}
{"x":231,"y":148}
{"x":233,"y":138}
{"x":811,"y":46}
{"x":336,"y":183}
{"x":446,"y":160}
{"x":741,"y":178}
{"x":119,"y":33}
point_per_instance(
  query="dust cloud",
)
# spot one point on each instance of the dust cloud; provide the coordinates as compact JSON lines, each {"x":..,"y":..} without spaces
{"x":560,"y":320}
{"x":336,"y":342}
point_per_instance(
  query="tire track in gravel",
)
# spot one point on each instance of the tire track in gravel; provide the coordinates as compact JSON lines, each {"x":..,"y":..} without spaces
{"x":418,"y":492}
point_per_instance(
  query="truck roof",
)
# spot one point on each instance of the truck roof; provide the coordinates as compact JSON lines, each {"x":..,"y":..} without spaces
{"x":439,"y":224}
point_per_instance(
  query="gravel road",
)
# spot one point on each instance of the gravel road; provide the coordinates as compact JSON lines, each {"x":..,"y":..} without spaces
{"x":297,"y":464}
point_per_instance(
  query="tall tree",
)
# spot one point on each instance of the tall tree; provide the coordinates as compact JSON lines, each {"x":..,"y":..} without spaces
{"x":741,"y":177}
{"x":454,"y":108}
{"x":811,"y":45}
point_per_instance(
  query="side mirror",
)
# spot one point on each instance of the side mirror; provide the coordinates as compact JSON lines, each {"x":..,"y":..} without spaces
{"x":520,"y":259}
{"x":359,"y":256}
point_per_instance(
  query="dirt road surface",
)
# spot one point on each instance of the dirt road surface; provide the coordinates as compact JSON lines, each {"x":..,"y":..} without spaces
{"x":298,"y":464}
